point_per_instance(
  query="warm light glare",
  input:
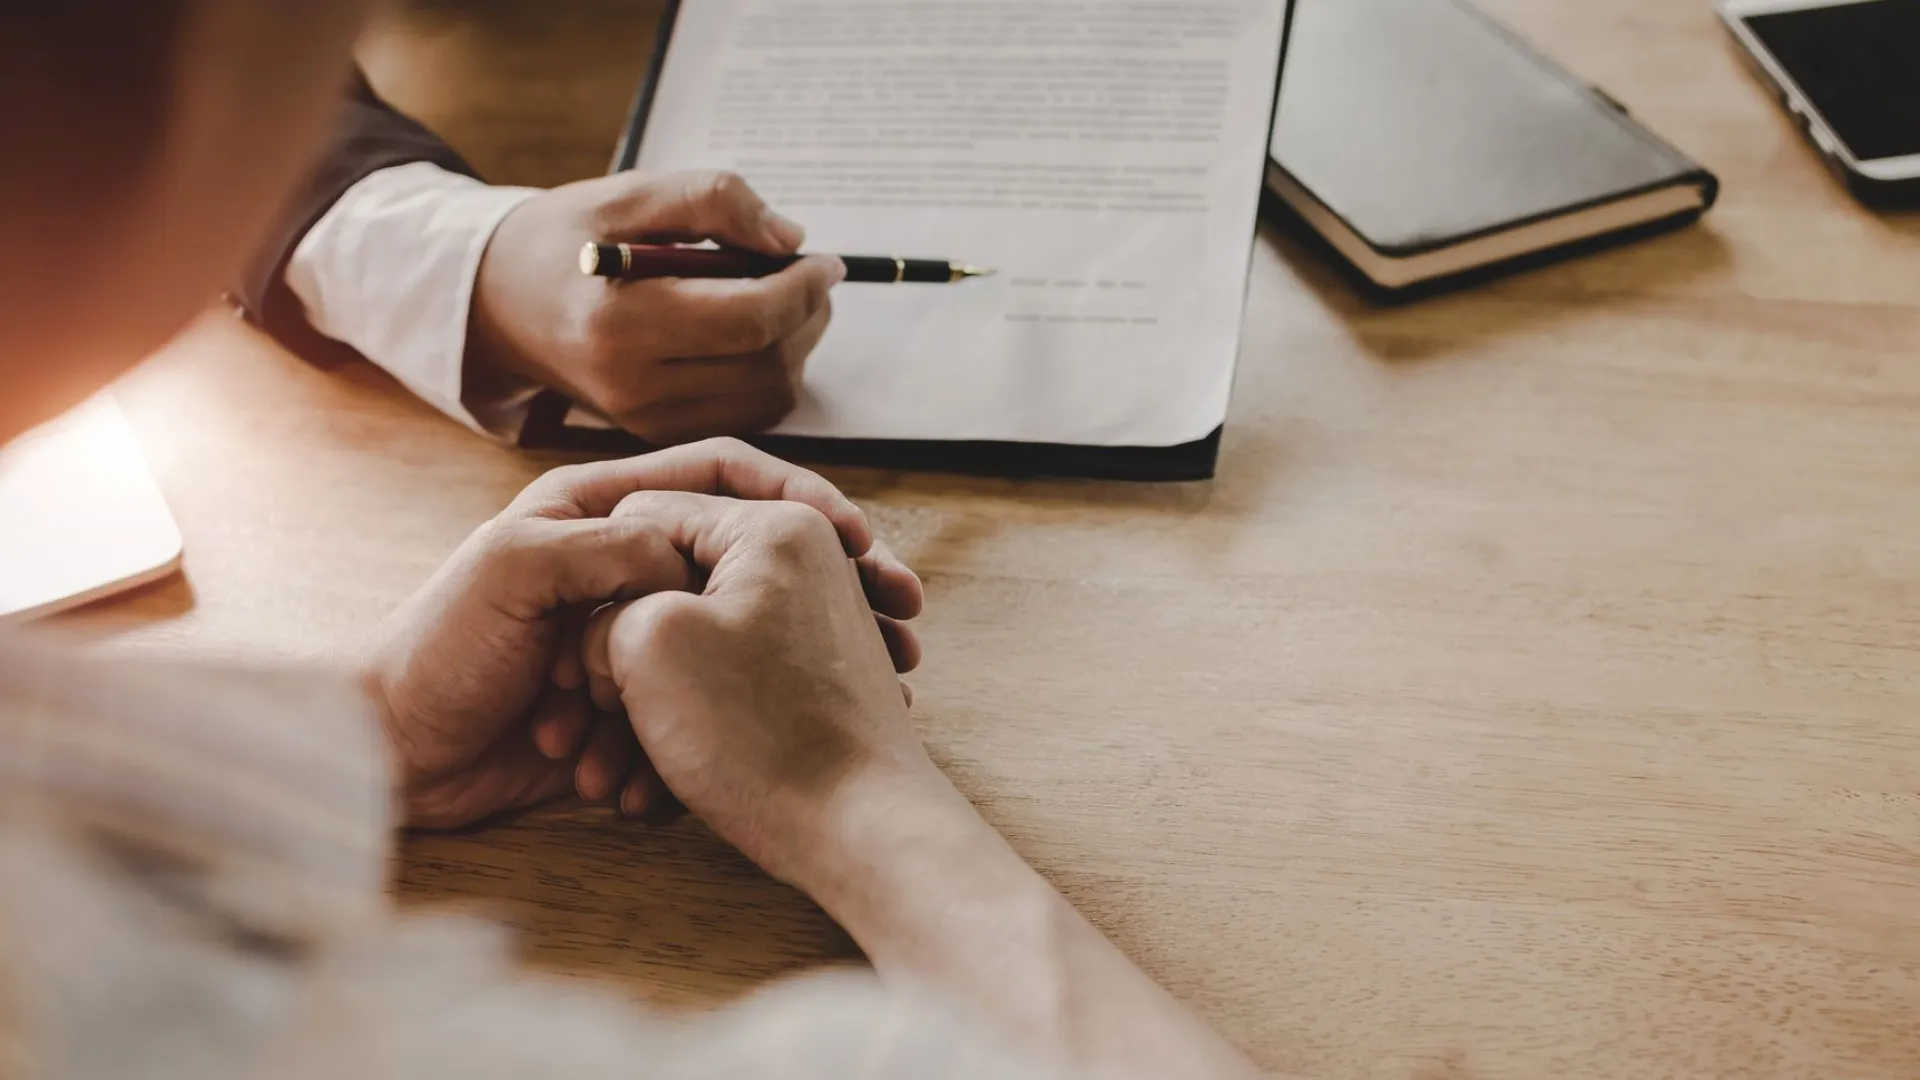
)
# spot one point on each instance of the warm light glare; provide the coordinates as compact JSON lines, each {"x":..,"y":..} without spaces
{"x":80,"y":514}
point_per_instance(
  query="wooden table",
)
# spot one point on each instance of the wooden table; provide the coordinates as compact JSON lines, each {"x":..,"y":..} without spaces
{"x":1535,"y":694}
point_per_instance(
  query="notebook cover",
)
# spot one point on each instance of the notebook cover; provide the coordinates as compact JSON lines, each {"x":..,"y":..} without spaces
{"x":546,"y":426}
{"x":1468,"y":131}
{"x":1283,"y":216}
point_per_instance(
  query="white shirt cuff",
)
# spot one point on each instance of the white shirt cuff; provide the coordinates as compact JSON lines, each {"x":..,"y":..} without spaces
{"x":390,"y":269}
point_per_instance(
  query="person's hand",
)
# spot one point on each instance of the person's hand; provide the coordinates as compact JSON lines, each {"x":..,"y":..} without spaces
{"x":669,"y":359}
{"x":478,"y":676}
{"x":774,"y":687}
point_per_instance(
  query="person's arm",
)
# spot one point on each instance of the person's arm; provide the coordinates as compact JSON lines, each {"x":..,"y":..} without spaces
{"x":769,"y":705}
{"x":389,"y":270}
{"x":368,"y":136}
{"x":470,"y":294}
{"x":378,"y":251}
{"x":935,"y":896}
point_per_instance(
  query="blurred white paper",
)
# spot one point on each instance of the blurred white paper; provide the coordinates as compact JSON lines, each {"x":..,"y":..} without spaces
{"x":1104,"y":156}
{"x":80,"y":514}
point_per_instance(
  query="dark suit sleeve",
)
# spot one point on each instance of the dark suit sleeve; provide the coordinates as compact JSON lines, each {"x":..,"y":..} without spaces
{"x":371,"y":136}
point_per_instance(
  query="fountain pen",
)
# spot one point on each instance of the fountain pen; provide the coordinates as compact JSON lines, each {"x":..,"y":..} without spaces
{"x":629,"y":262}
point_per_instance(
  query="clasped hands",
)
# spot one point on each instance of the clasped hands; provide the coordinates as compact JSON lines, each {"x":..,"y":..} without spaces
{"x":706,"y":623}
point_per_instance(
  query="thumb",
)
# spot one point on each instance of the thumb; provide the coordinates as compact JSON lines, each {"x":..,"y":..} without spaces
{"x":596,"y":654}
{"x":609,"y":663}
{"x":694,"y":206}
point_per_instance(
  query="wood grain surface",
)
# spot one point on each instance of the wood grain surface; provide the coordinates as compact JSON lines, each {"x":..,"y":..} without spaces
{"x":1535,"y":694}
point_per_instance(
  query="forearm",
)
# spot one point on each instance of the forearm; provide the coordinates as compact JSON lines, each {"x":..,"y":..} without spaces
{"x":936,"y":896}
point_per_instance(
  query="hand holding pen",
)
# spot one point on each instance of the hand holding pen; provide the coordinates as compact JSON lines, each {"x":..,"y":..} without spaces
{"x":669,"y":359}
{"x":706,"y":341}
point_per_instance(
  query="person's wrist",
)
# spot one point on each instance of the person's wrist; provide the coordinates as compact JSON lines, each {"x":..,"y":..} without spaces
{"x":891,"y":840}
{"x":494,"y":349}
{"x":845,"y":828}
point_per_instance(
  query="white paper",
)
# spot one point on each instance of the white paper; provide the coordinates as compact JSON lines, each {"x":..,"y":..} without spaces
{"x":80,"y":514}
{"x":1105,"y":156}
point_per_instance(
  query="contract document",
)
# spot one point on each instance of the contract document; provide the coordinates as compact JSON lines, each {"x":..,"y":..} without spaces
{"x":1104,"y":157}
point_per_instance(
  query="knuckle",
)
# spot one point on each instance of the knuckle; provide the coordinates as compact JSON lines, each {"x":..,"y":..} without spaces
{"x":550,"y":495}
{"x":618,"y":202}
{"x":795,"y":526}
{"x":606,"y":219}
{"x":559,"y":480}
{"x":614,"y":216}
{"x":715,"y":329}
{"x":721,"y":188}
{"x":726,"y":448}
{"x":642,"y":503}
{"x":755,"y":326}
{"x":632,"y":530}
{"x":506,"y":542}
{"x":678,"y":610}
{"x":643,"y":541}
{"x":738,"y":337}
{"x":808,"y":480}
{"x":645,"y":631}
{"x":667,"y":620}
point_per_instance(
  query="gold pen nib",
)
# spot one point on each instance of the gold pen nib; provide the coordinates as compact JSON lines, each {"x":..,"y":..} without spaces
{"x":961,"y":273}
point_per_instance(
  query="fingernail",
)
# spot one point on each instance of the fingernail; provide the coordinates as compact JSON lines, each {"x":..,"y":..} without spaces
{"x":590,"y":783}
{"x":836,"y":271}
{"x":783,"y":230}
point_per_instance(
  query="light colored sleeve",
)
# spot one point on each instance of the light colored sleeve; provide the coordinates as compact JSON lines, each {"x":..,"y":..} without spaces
{"x":390,"y":270}
{"x":193,"y":866}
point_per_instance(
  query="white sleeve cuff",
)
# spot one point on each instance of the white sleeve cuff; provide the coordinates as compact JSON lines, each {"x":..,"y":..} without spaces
{"x":390,"y":269}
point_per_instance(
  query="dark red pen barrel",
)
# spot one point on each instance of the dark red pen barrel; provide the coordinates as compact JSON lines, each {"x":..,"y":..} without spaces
{"x":664,"y":261}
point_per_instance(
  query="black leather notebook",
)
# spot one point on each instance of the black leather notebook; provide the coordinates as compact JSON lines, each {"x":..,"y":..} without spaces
{"x":555,"y":423}
{"x":1429,"y":146}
